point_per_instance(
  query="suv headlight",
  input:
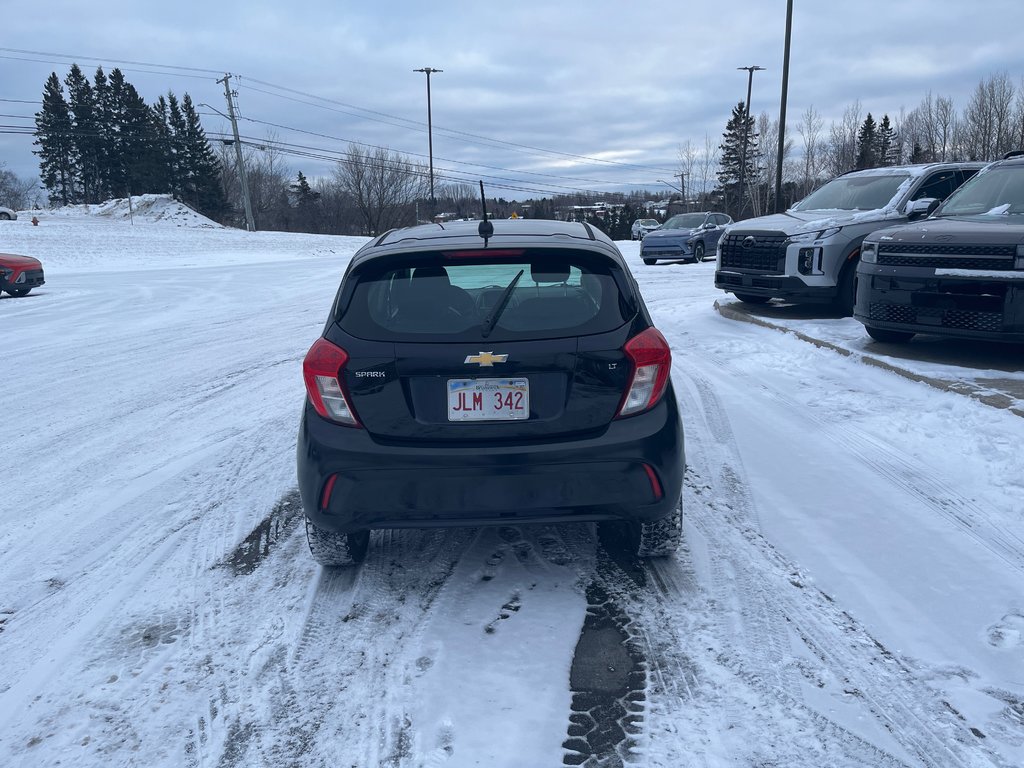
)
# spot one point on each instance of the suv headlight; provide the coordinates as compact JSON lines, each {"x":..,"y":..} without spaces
{"x":6,"y":272}
{"x":818,"y":234}
{"x":869,"y":252}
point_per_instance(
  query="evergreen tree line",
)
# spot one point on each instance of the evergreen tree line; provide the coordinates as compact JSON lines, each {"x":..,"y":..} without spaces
{"x":103,"y":141}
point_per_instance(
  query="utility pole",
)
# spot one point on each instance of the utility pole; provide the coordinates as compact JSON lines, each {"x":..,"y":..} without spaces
{"x":428,"y":71}
{"x":682,"y":185}
{"x":250,"y":225}
{"x":779,"y":205}
{"x":746,"y":133}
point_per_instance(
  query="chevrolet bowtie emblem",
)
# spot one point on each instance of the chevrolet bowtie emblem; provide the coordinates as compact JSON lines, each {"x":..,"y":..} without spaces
{"x":486,"y":359}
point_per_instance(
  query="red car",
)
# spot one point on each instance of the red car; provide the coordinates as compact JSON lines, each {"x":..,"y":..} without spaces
{"x":19,"y":274}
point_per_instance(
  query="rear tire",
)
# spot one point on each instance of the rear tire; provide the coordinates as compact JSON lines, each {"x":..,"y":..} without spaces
{"x":650,"y":262}
{"x":336,"y":550}
{"x":660,"y":538}
{"x":887,"y":336}
{"x":4,"y":216}
{"x":698,"y":252}
{"x":749,"y":298}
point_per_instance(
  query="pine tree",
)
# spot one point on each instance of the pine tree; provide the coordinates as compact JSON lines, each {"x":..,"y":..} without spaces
{"x":54,"y":139}
{"x":888,"y":143}
{"x":104,"y":131}
{"x":164,"y":146}
{"x":199,"y":171}
{"x":86,"y":138}
{"x":306,"y":202}
{"x":732,"y":148}
{"x":112,"y":108}
{"x":867,"y":144}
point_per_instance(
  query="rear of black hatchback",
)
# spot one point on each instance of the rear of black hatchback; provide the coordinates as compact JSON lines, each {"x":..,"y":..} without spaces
{"x":462,"y":381}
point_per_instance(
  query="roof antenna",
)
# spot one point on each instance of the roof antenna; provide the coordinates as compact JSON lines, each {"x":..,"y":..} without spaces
{"x":486,"y":229}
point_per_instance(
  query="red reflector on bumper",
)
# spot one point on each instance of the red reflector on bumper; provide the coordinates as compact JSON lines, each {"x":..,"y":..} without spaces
{"x":325,"y":497}
{"x":655,"y":482}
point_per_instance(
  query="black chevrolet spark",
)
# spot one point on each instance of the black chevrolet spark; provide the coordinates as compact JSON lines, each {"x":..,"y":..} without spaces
{"x":464,"y":380}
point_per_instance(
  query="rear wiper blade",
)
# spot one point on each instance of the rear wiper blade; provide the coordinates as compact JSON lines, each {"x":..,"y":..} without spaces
{"x":492,"y":318}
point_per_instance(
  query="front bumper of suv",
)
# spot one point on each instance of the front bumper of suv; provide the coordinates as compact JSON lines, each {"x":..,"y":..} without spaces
{"x":987,"y":306}
{"x":633,"y":470}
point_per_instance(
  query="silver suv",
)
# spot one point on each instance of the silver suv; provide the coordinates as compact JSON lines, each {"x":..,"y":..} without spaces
{"x":809,"y":254}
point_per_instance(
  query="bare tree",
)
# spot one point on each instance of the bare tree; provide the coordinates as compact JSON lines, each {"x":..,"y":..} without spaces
{"x":762,"y":186}
{"x":15,"y":192}
{"x":268,"y":177}
{"x":383,"y":185}
{"x":687,"y":162}
{"x":810,"y":131}
{"x":1017,"y":133}
{"x":707,"y":166}
{"x":987,"y":120}
{"x":841,"y":150}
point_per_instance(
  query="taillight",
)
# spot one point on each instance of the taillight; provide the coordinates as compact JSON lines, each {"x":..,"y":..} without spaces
{"x":652,"y":359}
{"x":322,"y":371}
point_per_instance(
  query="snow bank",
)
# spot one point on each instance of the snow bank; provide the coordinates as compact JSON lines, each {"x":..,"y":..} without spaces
{"x":144,"y":209}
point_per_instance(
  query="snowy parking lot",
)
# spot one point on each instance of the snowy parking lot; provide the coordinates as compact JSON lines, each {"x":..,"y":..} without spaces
{"x":850,"y":591}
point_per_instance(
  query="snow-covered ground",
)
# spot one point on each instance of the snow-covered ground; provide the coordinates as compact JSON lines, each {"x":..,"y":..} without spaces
{"x":850,"y":591}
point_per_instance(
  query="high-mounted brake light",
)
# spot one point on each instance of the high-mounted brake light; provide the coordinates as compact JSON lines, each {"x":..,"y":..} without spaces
{"x":322,"y":371}
{"x":651,"y":358}
{"x":489,"y":252}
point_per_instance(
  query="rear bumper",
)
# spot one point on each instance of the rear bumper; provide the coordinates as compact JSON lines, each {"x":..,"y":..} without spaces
{"x":424,"y":485}
{"x":916,"y":300}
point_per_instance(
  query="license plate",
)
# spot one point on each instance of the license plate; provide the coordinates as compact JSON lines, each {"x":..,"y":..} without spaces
{"x":488,"y":399}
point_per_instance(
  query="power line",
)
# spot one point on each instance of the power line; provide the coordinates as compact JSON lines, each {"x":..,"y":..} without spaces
{"x":445,"y":159}
{"x":419,"y":126}
{"x":115,"y":61}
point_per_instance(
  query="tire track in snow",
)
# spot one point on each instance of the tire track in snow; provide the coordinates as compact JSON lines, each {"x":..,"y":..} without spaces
{"x":358,"y":635}
{"x":911,"y":475}
{"x":905,"y":706}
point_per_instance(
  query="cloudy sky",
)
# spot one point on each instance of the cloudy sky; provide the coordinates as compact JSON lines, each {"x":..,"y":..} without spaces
{"x":536,"y":98}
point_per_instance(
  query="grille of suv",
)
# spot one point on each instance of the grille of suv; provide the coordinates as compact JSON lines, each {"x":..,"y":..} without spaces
{"x":946,"y":256}
{"x":767,"y":255}
{"x":950,"y":318}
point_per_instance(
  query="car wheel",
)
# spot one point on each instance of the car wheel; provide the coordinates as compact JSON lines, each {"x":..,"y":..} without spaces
{"x":650,"y":262}
{"x":749,"y":298}
{"x":846,"y":290}
{"x":660,"y":538}
{"x":4,"y":216}
{"x":18,"y":291}
{"x":336,"y":550}
{"x":698,"y":252}
{"x":885,"y":335}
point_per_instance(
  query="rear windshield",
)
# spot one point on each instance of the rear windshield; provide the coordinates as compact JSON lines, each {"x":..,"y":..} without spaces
{"x":854,"y":193}
{"x":446,"y":297}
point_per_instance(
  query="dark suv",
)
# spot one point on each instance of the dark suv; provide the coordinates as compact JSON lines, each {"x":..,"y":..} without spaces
{"x":958,"y":273}
{"x":465,"y":381}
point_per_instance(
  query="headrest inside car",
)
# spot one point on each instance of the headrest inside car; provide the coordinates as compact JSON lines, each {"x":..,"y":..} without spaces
{"x":549,"y":273}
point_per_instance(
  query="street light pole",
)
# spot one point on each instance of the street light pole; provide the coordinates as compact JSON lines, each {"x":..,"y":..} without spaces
{"x":428,"y":71}
{"x":746,"y":132}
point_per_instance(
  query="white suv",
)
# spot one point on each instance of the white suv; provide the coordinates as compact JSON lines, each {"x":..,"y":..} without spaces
{"x":809,"y":254}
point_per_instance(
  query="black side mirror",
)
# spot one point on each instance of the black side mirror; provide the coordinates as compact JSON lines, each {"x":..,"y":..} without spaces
{"x":923,"y":208}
